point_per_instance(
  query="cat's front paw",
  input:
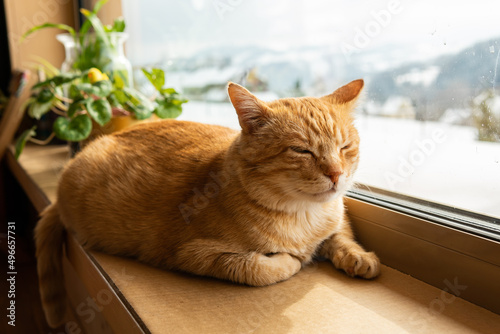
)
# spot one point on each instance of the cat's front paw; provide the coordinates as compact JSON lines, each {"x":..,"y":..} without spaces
{"x":286,"y":265}
{"x":270,"y":269}
{"x":357,"y":263}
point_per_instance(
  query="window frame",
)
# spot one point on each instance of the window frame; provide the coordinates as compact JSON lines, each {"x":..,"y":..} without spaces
{"x":428,"y":245}
{"x":460,"y":219}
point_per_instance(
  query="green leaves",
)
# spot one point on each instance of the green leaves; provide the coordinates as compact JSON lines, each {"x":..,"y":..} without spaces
{"x":42,"y":104}
{"x":97,"y":25}
{"x":95,"y":101}
{"x":118,"y":25}
{"x":75,"y":107}
{"x":168,"y":91}
{"x":137,"y":98}
{"x":21,"y":141}
{"x":103,"y":88}
{"x":87,"y":24}
{"x":85,"y":87}
{"x":167,"y":109}
{"x":140,"y":111}
{"x":95,"y":48}
{"x":99,"y":110}
{"x":75,"y":129}
{"x":49,"y":25}
{"x":136,"y":102}
{"x":37,"y":109}
{"x":168,"y":104}
{"x":119,"y":79}
{"x":98,"y":5}
{"x":60,"y":79}
{"x":156,"y":77}
{"x":85,"y":98}
{"x":75,"y":93}
{"x":45,"y":95}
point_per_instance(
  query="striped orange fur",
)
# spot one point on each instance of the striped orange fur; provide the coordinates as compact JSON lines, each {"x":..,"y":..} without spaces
{"x":251,"y":206}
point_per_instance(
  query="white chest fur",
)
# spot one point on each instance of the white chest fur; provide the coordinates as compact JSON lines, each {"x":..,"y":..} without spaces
{"x":301,"y":232}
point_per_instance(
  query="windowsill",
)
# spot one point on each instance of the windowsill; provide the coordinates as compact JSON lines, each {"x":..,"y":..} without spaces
{"x":318,"y":299}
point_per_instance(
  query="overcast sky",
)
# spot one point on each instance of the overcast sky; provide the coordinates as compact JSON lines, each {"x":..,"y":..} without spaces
{"x":425,"y":28}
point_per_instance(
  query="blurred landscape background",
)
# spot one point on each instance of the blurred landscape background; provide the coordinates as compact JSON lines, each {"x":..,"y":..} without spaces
{"x":428,"y":66}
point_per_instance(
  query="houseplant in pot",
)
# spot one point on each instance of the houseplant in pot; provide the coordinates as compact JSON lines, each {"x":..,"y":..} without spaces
{"x":93,"y":92}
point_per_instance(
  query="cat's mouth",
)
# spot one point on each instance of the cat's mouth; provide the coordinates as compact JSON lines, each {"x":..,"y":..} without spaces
{"x":323,"y":195}
{"x":330,"y":191}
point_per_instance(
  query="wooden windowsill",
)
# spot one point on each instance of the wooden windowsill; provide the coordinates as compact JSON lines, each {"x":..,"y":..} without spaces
{"x":134,"y":298}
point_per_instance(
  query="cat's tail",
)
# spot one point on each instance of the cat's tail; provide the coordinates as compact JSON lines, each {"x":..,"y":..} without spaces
{"x":49,"y":238}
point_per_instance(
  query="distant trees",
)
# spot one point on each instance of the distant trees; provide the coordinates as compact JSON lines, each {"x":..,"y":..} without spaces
{"x":486,"y":115}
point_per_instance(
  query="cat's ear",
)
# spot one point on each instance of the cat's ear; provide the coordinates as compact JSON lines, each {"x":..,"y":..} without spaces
{"x":251,"y":111}
{"x":347,"y":94}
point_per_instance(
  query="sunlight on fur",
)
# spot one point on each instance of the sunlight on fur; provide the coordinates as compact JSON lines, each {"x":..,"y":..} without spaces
{"x":251,"y":207}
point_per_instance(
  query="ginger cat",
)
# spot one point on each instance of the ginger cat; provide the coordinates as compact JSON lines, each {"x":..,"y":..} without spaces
{"x":251,"y":207}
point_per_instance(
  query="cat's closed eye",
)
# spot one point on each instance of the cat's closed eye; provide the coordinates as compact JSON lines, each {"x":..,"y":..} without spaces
{"x":300,"y":150}
{"x":346,"y":147}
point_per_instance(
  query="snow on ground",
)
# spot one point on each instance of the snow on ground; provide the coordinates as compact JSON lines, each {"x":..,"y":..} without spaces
{"x":210,"y":113}
{"x":434,"y":161}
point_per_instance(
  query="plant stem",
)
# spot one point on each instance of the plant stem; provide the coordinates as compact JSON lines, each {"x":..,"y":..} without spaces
{"x":43,"y":142}
{"x":57,"y":112}
{"x":62,"y":98}
{"x":61,"y":106}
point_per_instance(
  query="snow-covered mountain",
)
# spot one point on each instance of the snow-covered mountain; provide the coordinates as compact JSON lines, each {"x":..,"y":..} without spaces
{"x":425,"y":90}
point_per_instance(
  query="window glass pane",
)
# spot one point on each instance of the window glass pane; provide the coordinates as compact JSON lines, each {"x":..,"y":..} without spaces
{"x":430,"y":120}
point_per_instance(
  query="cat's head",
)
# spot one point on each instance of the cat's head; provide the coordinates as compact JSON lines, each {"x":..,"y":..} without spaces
{"x":297,"y":150}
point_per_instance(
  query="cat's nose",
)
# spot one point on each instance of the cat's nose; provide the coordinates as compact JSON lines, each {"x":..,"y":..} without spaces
{"x":334,"y":175}
{"x":332,"y":171}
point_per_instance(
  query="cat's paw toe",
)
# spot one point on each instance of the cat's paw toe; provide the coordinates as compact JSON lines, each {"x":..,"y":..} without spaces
{"x":290,"y":264}
{"x":357,"y":263}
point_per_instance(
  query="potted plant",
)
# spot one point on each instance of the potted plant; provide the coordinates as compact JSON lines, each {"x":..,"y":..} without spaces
{"x":91,"y":90}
